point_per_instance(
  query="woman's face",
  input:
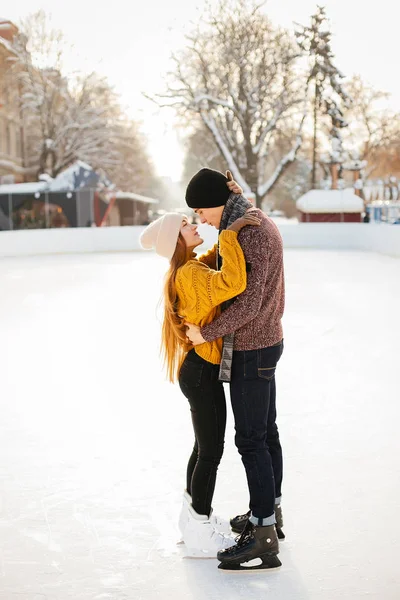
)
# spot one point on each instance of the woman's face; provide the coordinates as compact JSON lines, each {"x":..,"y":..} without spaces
{"x":189,"y":234}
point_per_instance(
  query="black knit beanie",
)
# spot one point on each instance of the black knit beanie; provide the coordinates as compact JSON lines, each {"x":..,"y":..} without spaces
{"x":207,"y":189}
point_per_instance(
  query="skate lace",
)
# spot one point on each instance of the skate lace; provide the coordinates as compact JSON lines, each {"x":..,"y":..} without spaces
{"x":244,"y":538}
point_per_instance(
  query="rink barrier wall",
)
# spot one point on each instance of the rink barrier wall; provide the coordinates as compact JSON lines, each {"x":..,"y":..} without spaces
{"x":381,"y":238}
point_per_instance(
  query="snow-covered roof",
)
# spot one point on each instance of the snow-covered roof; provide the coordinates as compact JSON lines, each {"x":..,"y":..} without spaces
{"x":137,"y":197}
{"x":23,"y":188}
{"x":77,"y":176}
{"x":330,"y":201}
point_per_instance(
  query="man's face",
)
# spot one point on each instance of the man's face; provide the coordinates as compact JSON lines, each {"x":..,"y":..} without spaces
{"x":211,"y":216}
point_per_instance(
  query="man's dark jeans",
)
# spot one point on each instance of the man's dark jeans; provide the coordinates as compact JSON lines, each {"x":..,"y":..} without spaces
{"x":253,"y":397}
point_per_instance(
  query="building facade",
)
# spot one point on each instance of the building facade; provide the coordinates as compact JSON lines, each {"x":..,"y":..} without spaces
{"x":11,"y":121}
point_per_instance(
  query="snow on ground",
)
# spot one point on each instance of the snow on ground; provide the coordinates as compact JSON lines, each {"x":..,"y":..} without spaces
{"x":93,"y":441}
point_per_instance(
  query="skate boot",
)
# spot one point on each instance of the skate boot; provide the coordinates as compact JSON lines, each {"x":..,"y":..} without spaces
{"x":279,"y":522}
{"x":256,"y":549}
{"x":184,"y":515}
{"x":220,"y":524}
{"x":201,"y":538}
{"x":238,"y":523}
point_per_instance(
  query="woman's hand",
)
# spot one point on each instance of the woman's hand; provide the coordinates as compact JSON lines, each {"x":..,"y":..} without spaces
{"x":249,"y":218}
{"x":193,"y":334}
{"x":232,"y":185}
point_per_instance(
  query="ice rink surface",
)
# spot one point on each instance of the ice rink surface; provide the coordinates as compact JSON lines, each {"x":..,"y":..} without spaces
{"x":94,"y":442}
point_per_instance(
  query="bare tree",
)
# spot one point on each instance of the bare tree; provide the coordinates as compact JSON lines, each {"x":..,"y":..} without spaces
{"x":72,"y":117}
{"x":374,"y":129}
{"x":201,"y":150}
{"x":90,"y":127}
{"x":329,"y":94}
{"x":66,"y":118}
{"x":133,"y":171}
{"x":238,"y":76}
{"x":295,"y":180}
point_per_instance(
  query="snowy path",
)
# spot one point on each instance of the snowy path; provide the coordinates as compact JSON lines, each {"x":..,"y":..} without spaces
{"x":93,"y":442}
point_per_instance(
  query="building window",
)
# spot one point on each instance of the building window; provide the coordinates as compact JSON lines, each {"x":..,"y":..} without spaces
{"x":18,"y":146}
{"x":8,"y":138}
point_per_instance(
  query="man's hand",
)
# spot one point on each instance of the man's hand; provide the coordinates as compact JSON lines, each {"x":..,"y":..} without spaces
{"x":194,"y":335}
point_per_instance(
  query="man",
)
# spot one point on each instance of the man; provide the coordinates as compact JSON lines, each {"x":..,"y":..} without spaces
{"x":253,"y":344}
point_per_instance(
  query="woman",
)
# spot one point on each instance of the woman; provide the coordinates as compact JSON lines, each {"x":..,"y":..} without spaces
{"x":193,"y":292}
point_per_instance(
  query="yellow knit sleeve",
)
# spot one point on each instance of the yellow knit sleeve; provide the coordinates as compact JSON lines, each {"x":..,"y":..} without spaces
{"x":212,"y":287}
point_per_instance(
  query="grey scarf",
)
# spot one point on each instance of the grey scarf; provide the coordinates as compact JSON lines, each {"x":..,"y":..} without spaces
{"x":235,"y":208}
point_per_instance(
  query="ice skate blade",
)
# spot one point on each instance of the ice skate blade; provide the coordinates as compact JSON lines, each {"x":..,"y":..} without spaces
{"x":199,"y":555}
{"x":196,"y":553}
{"x":268,"y":563}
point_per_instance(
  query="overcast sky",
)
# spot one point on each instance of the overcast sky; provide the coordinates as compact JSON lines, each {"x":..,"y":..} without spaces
{"x":131,"y":43}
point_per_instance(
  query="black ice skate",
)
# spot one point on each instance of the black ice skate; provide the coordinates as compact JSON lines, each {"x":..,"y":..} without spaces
{"x":238,"y":523}
{"x":255,"y":542}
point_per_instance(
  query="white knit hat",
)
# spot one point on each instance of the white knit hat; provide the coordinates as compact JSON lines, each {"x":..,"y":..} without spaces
{"x":162,"y":234}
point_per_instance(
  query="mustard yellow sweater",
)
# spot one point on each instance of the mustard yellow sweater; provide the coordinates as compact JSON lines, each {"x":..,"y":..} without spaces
{"x":201,"y":289}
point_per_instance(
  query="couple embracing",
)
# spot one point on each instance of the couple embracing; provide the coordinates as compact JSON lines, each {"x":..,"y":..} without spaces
{"x":222,"y":323}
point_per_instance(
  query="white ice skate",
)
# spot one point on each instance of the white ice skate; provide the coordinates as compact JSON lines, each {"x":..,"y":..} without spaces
{"x":220,"y":524}
{"x":184,"y":514}
{"x":201,"y":538}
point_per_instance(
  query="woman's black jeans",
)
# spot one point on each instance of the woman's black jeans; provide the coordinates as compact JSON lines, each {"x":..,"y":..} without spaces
{"x":198,"y":380}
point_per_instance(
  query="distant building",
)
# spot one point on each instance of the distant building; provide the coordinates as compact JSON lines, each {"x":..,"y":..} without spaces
{"x":11,"y":122}
{"x":330,"y":206}
{"x":127,"y":208}
{"x":77,"y":197}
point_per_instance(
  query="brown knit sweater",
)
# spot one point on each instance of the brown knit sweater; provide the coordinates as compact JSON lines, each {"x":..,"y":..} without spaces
{"x":255,"y":316}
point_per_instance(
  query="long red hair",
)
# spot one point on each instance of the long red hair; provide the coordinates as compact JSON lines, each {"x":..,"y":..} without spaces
{"x":174,"y":345}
